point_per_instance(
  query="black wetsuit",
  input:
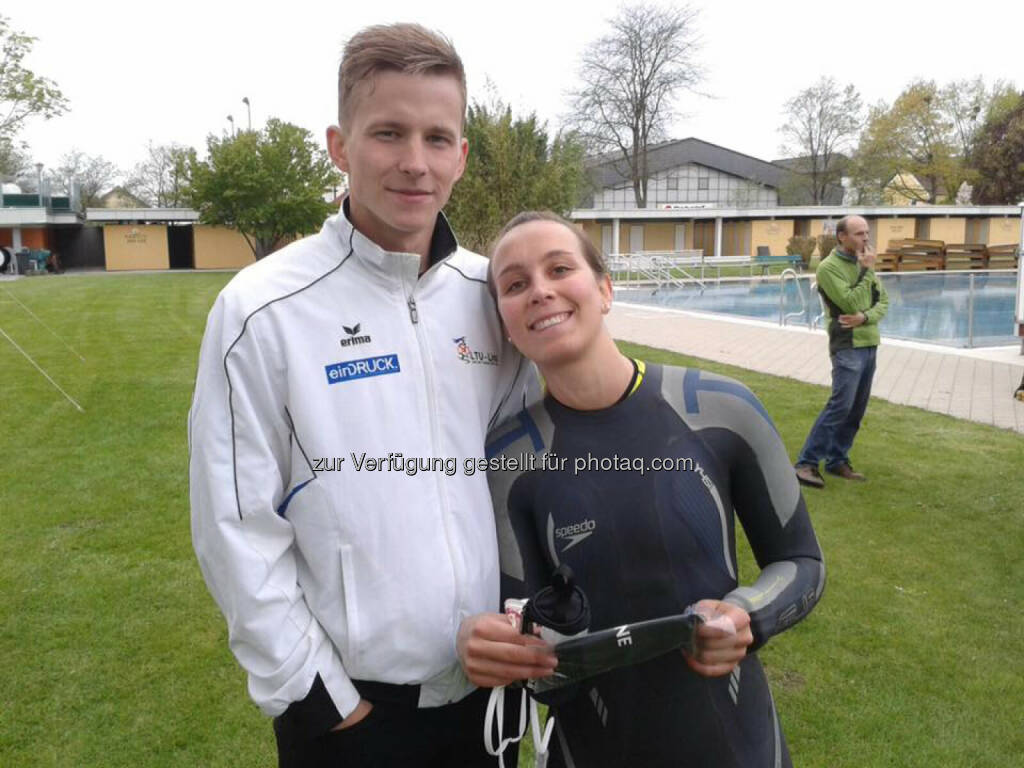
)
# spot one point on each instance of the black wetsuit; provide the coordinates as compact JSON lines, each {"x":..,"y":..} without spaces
{"x":645,"y":542}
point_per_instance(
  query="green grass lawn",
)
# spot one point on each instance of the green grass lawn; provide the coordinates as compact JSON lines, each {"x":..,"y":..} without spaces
{"x":115,"y":655}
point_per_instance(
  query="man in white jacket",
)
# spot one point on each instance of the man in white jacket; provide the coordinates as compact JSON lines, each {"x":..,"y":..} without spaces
{"x":345,"y":387}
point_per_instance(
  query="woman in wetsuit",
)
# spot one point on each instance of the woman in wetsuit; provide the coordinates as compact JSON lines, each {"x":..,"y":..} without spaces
{"x":637,"y":476}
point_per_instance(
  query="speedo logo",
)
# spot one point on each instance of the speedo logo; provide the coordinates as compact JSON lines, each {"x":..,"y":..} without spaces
{"x":353,"y":336}
{"x":362,"y":369}
{"x":575,"y":533}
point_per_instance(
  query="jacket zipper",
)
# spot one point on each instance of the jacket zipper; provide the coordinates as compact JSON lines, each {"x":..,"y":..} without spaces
{"x":428,"y":379}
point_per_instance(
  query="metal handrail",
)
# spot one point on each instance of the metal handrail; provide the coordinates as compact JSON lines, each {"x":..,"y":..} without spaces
{"x":783,"y":317}
{"x":658,"y":268}
{"x":821,"y":303}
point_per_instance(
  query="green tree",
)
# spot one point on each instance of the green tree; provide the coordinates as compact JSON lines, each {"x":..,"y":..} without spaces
{"x":22,"y":92}
{"x":913,"y":136}
{"x":513,"y":166}
{"x":998,"y":156}
{"x":875,"y":161}
{"x":821,"y":123}
{"x":927,"y":134}
{"x":162,"y":179}
{"x":14,"y":163}
{"x":269,"y":185}
{"x":631,"y":78}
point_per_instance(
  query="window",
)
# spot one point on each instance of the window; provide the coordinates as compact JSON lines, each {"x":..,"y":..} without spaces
{"x":673,"y":183}
{"x":703,"y":183}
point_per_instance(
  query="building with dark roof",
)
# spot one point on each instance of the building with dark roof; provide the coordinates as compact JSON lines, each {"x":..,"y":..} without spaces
{"x":706,"y":198}
{"x":688,"y":173}
{"x":796,"y":189}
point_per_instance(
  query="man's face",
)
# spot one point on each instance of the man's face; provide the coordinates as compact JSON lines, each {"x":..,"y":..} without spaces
{"x":403,"y":150}
{"x":855,"y":238}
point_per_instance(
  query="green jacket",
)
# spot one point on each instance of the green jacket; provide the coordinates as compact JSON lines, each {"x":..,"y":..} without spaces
{"x":848,"y":288}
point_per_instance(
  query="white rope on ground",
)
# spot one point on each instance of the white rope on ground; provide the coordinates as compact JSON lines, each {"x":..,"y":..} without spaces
{"x":44,"y":325}
{"x":55,"y":384}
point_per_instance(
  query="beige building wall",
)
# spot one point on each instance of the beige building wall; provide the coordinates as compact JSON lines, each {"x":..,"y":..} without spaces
{"x":592,"y":230}
{"x":904,"y":189}
{"x":220,"y":248}
{"x":773,"y":233}
{"x":129,"y":246}
{"x":1003,"y":230}
{"x":660,"y":236}
{"x":951,"y":230}
{"x":624,"y":230}
{"x":818,"y":226}
{"x":893,"y":229}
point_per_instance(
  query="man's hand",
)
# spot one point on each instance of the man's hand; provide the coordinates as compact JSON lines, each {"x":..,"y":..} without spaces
{"x":722,"y":639}
{"x":494,"y":652}
{"x":866,"y":258}
{"x":852,"y":321}
{"x":362,"y":709}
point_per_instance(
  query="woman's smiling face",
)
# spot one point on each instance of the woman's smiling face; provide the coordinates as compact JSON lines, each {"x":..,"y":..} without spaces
{"x":551,"y":301}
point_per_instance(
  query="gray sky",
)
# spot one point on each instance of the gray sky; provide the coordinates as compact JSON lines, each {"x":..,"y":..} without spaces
{"x":173,"y":71}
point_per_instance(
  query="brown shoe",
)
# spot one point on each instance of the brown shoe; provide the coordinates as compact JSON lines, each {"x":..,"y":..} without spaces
{"x":846,"y":472}
{"x":808,"y":475}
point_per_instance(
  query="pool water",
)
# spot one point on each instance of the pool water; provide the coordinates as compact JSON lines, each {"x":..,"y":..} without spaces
{"x":923,"y":306}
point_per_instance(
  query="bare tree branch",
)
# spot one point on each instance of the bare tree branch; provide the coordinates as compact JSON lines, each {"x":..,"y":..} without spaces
{"x":821,"y":123}
{"x":631,"y":78}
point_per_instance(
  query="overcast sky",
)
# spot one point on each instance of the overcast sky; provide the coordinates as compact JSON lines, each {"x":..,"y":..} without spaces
{"x":173,"y":71}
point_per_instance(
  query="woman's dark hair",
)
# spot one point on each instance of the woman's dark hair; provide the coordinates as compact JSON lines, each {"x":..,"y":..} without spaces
{"x":591,"y":252}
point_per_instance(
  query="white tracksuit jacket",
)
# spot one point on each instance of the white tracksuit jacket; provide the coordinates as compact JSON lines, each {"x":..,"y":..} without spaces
{"x":328,"y":348}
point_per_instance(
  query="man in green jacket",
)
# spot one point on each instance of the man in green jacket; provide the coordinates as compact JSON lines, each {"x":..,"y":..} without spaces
{"x":856,"y":302}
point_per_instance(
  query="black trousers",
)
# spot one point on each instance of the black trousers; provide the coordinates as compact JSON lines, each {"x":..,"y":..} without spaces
{"x":398,"y":733}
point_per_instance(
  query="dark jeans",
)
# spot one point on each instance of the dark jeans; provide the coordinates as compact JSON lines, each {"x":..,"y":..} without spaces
{"x":397,"y":733}
{"x":832,"y":435}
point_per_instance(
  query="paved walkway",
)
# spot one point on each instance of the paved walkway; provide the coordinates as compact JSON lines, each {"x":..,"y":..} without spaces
{"x":969,"y":384}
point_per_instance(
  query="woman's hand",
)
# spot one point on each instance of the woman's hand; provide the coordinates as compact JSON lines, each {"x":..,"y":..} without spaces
{"x":362,"y":709}
{"x":494,"y":652}
{"x":722,"y":639}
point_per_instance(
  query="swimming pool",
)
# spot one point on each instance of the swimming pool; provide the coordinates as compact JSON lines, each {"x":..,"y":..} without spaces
{"x":923,"y":306}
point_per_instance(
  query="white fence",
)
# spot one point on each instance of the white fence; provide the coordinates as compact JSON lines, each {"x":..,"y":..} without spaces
{"x":670,"y":267}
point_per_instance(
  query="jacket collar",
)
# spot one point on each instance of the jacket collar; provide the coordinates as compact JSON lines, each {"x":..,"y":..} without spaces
{"x":442,"y":245}
{"x":844,"y":255}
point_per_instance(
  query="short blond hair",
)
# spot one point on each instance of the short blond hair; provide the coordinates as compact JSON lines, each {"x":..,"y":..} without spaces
{"x":408,"y":48}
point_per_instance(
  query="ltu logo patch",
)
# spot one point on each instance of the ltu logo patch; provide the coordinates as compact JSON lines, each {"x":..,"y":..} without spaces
{"x":353,"y":336}
{"x":467,"y":355}
{"x":575,"y":533}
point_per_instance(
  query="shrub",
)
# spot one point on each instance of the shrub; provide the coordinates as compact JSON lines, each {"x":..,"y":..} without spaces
{"x":804,"y":246}
{"x":826,"y":243}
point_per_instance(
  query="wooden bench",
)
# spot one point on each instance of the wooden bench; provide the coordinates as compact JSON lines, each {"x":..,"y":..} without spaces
{"x":1002,"y":256}
{"x":966,"y":255}
{"x":916,"y":255}
{"x":887,"y":261}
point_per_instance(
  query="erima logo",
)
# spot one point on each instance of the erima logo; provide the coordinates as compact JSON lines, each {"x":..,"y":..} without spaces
{"x":575,"y":533}
{"x":361,"y":369}
{"x":353,"y":336}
